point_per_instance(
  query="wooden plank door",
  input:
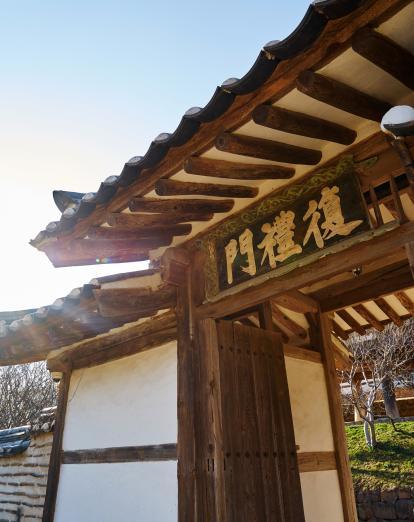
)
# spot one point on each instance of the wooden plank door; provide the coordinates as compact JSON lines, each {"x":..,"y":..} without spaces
{"x":246,"y":454}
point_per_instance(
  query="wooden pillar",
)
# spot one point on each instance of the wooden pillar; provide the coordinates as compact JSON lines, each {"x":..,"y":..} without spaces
{"x":56,"y":453}
{"x":337,"y":420}
{"x":177,"y":264}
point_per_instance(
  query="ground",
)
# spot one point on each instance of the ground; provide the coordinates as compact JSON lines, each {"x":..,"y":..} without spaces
{"x":390,"y":464}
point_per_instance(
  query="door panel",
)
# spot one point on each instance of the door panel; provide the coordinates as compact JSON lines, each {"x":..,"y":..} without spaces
{"x":247,"y":466}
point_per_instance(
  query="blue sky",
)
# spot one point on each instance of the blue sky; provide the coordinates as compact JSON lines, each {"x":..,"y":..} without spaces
{"x":85,"y":86}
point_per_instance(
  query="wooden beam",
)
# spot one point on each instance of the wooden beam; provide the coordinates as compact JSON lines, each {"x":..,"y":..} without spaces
{"x":385,"y":54}
{"x":158,"y":233}
{"x":230,"y":170}
{"x":266,"y":149}
{"x":286,"y":322}
{"x":153,"y":453}
{"x":129,"y":341}
{"x":297,"y":302}
{"x":316,"y":461}
{"x":302,"y":124}
{"x":369,"y":317}
{"x":337,"y":421}
{"x":360,"y":253}
{"x":96,"y":251}
{"x":134,"y":221}
{"x":171,"y":187}
{"x":56,"y":452}
{"x":388,"y":311}
{"x":304,"y":354}
{"x":350,"y":321}
{"x":181,"y":206}
{"x":341,"y":96}
{"x":365,"y":287}
{"x":406,"y":301}
{"x":87,"y":359}
{"x":128,"y":234}
{"x":339,"y":331}
{"x":115,"y":302}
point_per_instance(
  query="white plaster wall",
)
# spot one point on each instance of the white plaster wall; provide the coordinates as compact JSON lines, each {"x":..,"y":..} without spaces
{"x":321,"y":492}
{"x":135,"y":491}
{"x":321,"y":496}
{"x":309,"y":403}
{"x":128,"y":402}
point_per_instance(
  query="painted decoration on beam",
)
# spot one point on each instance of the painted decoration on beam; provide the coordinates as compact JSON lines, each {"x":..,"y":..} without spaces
{"x":298,"y":222}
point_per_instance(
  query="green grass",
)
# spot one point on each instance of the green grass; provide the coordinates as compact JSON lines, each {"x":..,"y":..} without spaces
{"x":390,"y":464}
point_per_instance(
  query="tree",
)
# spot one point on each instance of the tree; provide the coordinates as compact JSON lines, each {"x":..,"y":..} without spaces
{"x":24,"y":391}
{"x":380,"y":360}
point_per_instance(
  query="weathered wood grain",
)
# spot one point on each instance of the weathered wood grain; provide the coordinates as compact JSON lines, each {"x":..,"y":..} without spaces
{"x":201,"y":166}
{"x":302,"y":124}
{"x":266,"y":149}
{"x":150,"y":453}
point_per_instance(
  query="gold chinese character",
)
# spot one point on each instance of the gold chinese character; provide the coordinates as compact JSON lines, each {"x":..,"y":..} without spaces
{"x":334,"y":224}
{"x":231,"y":253}
{"x":313,"y":225}
{"x":246,"y":248}
{"x":281,"y":234}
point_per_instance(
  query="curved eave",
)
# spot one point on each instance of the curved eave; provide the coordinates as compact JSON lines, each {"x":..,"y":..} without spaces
{"x":274,"y":54}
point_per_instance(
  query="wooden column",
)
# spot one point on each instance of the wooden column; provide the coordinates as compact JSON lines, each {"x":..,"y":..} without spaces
{"x":56,"y":453}
{"x":177,"y":271}
{"x":337,"y":420}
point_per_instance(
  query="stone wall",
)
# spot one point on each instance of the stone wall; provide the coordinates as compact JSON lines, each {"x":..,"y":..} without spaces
{"x":23,"y":480}
{"x":380,"y":506}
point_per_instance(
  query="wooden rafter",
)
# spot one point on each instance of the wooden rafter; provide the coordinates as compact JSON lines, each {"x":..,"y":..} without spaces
{"x":95,"y":251}
{"x":386,"y":54}
{"x":351,"y":321}
{"x":369,"y":317}
{"x":121,"y":219}
{"x":297,"y":301}
{"x":339,"y":331}
{"x":230,"y":170}
{"x":158,"y":234}
{"x":171,"y":187}
{"x":406,"y":301}
{"x":141,"y":302}
{"x":286,"y":322}
{"x":266,"y":149}
{"x":186,"y":206}
{"x":389,"y":311}
{"x":341,"y":96}
{"x":302,"y":124}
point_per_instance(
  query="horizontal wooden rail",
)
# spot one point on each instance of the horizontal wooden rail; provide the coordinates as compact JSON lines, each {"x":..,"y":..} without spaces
{"x":154,"y":453}
{"x":316,"y":461}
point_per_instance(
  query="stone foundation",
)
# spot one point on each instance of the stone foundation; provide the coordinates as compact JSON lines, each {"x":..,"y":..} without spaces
{"x":381,"y":505}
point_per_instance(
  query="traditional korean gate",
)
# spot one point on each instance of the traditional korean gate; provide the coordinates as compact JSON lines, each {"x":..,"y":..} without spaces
{"x":246,"y":454}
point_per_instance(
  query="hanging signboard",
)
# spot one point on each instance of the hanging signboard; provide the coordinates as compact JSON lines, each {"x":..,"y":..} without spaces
{"x":298,"y":221}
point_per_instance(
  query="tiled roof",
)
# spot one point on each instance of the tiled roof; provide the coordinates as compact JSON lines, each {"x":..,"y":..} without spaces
{"x":77,"y":206}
